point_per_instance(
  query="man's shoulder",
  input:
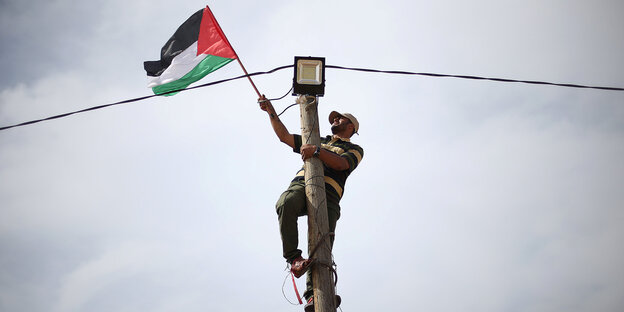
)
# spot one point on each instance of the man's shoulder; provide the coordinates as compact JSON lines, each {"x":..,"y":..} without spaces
{"x":352,"y":145}
{"x":359,"y":149}
{"x":346,"y":145}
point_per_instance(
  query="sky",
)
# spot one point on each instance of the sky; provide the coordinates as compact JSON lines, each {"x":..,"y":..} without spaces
{"x":471,"y":196}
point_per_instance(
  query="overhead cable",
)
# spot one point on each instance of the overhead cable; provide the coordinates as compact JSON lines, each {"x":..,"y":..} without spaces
{"x":475,"y":77}
{"x":144,"y":97}
{"x":395,"y":72}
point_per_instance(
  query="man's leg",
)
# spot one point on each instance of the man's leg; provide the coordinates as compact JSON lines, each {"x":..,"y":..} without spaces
{"x":290,"y":206}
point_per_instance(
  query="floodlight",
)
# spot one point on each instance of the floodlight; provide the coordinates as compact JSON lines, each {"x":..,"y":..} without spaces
{"x":309,"y":76}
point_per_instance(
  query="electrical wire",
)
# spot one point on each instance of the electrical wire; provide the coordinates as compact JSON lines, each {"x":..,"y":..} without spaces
{"x":145,"y":97}
{"x":327,"y":66}
{"x":283,"y":96}
{"x":279,"y":98}
{"x":285,"y":109}
{"x":475,"y":77}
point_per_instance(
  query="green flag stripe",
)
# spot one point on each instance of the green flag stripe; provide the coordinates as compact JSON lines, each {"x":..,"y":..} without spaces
{"x":205,"y":67}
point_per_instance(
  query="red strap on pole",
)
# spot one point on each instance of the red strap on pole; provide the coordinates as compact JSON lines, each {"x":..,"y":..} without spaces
{"x":295,"y":286}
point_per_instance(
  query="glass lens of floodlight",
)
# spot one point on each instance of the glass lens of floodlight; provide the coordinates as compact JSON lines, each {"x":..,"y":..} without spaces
{"x":309,"y":72}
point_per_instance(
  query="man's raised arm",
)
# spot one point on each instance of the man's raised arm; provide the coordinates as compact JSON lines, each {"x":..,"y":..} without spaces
{"x":279,"y":128}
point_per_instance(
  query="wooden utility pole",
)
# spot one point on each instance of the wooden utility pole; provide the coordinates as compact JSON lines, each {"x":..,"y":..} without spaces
{"x":318,"y":224}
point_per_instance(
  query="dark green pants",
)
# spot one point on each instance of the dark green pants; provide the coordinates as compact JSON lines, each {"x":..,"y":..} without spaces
{"x":292,"y":205}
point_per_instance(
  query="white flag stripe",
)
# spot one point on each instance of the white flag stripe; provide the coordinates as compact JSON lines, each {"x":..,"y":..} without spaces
{"x":181,"y":65}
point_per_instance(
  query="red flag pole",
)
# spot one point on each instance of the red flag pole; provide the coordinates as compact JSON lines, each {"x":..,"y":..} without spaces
{"x":237,"y":58}
{"x":245,"y":71}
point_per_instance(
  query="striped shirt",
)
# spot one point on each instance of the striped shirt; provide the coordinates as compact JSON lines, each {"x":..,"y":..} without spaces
{"x":335,"y":179}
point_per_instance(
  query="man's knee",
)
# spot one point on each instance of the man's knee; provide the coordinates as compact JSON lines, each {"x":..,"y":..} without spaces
{"x":290,"y":204}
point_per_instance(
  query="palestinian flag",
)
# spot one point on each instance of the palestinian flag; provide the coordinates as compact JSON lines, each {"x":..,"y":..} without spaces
{"x":196,"y":49}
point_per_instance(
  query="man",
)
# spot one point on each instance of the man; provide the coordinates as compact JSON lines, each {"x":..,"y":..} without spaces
{"x":340,"y":157}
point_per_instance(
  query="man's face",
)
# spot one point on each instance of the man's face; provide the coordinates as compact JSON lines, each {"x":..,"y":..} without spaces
{"x":340,"y":124}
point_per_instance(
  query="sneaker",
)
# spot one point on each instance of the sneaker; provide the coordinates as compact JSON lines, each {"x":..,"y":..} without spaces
{"x":309,"y":307}
{"x":299,"y":266}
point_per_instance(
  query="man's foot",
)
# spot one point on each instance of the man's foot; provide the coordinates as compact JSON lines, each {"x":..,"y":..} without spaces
{"x":309,"y":307}
{"x":299,"y":266}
